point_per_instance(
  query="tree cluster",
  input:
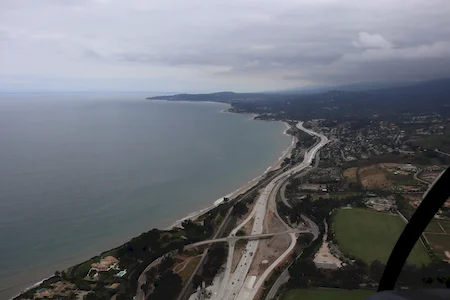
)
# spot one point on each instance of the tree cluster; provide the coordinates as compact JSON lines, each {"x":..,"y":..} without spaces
{"x":215,"y":259}
{"x":167,"y":286}
{"x":197,"y":232}
{"x":319,"y":209}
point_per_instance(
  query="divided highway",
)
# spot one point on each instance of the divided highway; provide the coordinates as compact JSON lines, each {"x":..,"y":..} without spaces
{"x":232,"y":286}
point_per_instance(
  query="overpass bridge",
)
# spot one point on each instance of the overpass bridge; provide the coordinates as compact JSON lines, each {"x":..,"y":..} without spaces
{"x":234,"y":238}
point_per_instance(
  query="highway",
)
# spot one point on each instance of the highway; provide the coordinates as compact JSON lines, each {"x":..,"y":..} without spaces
{"x":243,"y":237}
{"x":283,"y":186}
{"x":284,"y":276}
{"x":142,"y":278}
{"x":232,"y":286}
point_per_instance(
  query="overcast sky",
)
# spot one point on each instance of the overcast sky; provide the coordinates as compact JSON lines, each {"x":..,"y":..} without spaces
{"x":213,"y":45}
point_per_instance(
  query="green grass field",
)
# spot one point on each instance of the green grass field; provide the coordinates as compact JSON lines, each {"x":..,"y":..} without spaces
{"x":370,"y":235}
{"x":439,"y":244}
{"x":433,"y":227}
{"x":445,"y":225}
{"x":328,"y":294}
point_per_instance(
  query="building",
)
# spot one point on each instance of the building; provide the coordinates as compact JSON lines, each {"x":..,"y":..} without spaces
{"x":381,"y":204}
{"x":56,"y":290}
{"x":326,"y":265}
{"x":408,"y":168}
{"x":105,"y":264}
{"x":312,"y":187}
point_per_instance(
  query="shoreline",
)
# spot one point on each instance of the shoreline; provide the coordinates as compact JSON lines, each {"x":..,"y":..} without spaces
{"x":196,"y":214}
{"x":245,"y":187}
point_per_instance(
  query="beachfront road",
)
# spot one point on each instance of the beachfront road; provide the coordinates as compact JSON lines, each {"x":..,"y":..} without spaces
{"x":232,"y":286}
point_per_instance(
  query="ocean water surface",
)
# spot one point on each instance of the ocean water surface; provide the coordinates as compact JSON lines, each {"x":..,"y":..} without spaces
{"x":81,"y":173}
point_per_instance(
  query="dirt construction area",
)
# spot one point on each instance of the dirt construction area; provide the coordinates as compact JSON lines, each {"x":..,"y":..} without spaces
{"x":350,"y":175}
{"x":374,"y":177}
{"x":271,"y":248}
{"x":380,"y":176}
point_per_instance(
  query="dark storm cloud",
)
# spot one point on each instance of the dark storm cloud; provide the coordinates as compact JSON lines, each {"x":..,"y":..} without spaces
{"x":281,"y":44}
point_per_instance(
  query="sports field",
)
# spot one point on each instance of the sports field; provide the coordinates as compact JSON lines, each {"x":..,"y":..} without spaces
{"x":440,"y":243}
{"x":369,"y":235}
{"x":434,"y":227}
{"x":445,"y":225}
{"x":326,"y":294}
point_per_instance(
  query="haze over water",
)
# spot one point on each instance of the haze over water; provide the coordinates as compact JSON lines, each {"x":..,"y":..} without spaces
{"x":80,"y":173}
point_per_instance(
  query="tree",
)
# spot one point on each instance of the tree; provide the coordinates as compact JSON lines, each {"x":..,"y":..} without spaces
{"x":240,"y":209}
{"x":349,"y":283}
{"x":197,"y":281}
{"x":215,"y":258}
{"x":150,"y":275}
{"x":165,"y":264}
{"x":145,"y":288}
{"x":376,"y":270}
{"x":91,"y":296}
{"x":82,"y":284}
{"x":361,"y":266}
{"x":187,"y":224}
{"x":240,"y":232}
{"x":301,"y":282}
{"x":140,"y":247}
{"x":167,"y":286}
{"x":305,"y":239}
{"x":301,"y":272}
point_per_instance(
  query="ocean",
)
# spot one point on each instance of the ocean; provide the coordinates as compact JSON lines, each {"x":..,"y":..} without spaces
{"x":83,"y":173}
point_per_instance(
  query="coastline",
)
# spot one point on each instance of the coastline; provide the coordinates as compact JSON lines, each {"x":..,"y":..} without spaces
{"x":194,"y":215}
{"x":245,"y":187}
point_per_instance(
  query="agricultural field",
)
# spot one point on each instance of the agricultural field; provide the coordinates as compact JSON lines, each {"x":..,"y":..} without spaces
{"x":326,"y":294}
{"x":434,"y":227}
{"x":438,"y":235}
{"x":445,"y":225}
{"x":370,"y":235}
{"x":440,"y":243}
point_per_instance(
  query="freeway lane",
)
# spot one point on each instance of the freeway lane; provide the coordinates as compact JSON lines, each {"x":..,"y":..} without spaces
{"x":312,"y":153}
{"x":231,"y":288}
